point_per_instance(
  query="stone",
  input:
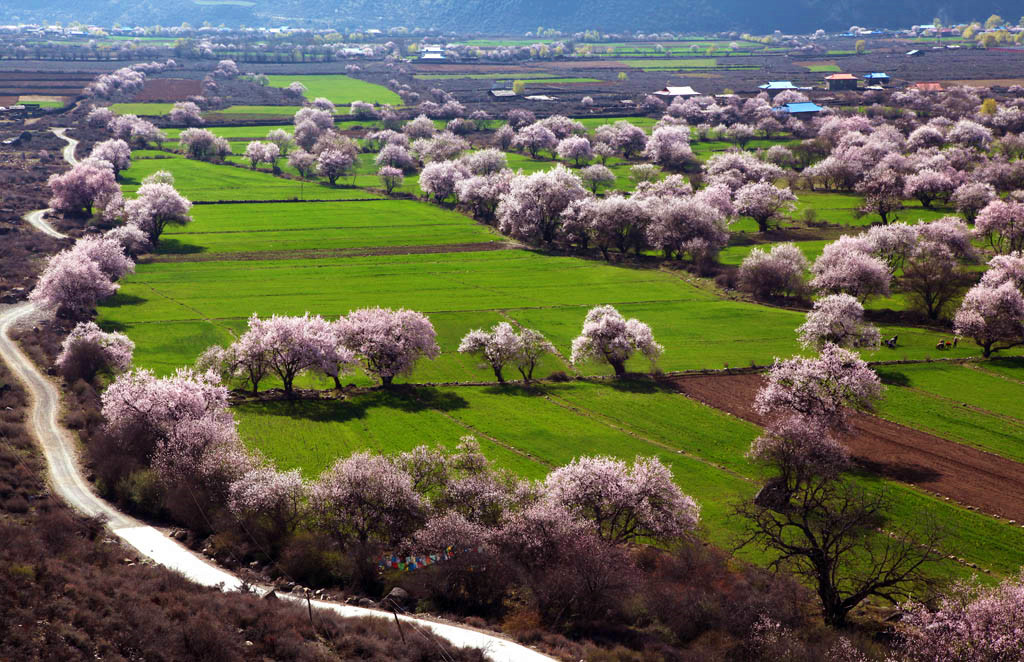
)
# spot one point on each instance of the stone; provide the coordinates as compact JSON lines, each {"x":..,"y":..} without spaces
{"x":366,"y":602}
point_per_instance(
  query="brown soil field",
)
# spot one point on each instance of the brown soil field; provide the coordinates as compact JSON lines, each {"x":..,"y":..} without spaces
{"x":972,"y":477}
{"x":985,"y":82}
{"x":8,"y":100}
{"x":169,"y":89}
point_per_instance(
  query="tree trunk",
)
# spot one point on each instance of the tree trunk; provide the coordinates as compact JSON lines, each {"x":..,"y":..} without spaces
{"x":497,"y":374}
{"x":620,"y":367}
{"x":762,"y":224}
{"x":385,"y":380}
{"x":337,"y":382}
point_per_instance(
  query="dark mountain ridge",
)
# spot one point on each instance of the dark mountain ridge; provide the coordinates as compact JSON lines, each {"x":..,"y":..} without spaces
{"x":516,"y":16}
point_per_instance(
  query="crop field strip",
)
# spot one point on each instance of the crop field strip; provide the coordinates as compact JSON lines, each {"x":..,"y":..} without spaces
{"x":338,"y":88}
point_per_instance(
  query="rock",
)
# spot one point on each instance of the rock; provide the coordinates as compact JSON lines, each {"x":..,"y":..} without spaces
{"x":298,"y":589}
{"x":773,"y":496}
{"x":270,"y":595}
{"x":366,"y":602}
{"x":398,"y":596}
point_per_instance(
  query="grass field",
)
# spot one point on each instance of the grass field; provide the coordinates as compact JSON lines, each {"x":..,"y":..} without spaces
{"x":963,"y":403}
{"x":200,"y":181}
{"x":530,"y":431}
{"x":319,"y":226}
{"x":339,"y":88}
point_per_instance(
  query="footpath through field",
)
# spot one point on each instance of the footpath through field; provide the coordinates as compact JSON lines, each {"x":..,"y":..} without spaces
{"x":969,"y":476}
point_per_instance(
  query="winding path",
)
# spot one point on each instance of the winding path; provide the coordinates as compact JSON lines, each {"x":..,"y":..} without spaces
{"x":35,"y":218}
{"x":67,"y":482}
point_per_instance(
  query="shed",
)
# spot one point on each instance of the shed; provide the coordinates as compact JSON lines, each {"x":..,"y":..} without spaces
{"x":773,"y":87}
{"x":432,"y":56}
{"x":877,"y":78}
{"x":800,"y":110}
{"x":841,"y":82}
{"x":503,"y":94}
{"x":915,"y":53}
{"x":684,"y":91}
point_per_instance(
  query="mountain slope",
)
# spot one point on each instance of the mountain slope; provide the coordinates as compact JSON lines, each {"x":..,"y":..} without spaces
{"x":516,"y":16}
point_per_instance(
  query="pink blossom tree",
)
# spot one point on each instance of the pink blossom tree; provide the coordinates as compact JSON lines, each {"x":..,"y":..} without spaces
{"x":482,"y":193}
{"x":485,"y":161}
{"x":284,"y":141}
{"x":627,"y":138}
{"x":290,"y":346}
{"x":155,"y":207}
{"x":420,"y":127}
{"x":763,"y":202}
{"x":499,"y":347}
{"x":534,"y":138}
{"x":76,"y":190}
{"x":838,"y":319}
{"x":799,"y":449}
{"x":820,"y":388}
{"x":932,"y":277}
{"x":532,"y":208}
{"x":624,"y":504}
{"x":502,"y":346}
{"x":71,"y":284}
{"x":88,"y":350}
{"x":969,"y":133}
{"x":395,"y":156}
{"x":259,"y":152}
{"x":132,"y":240}
{"x":928,"y":185}
{"x":1002,"y":224}
{"x":181,"y":424}
{"x":1005,"y":268}
{"x":389,"y":342}
{"x":971,"y":623}
{"x":439,"y":179}
{"x":269,"y":500}
{"x":595,"y":176}
{"x":108,"y":255}
{"x":115,"y":152}
{"x":390,"y":178}
{"x":504,"y":136}
{"x":201,"y":144}
{"x":891,"y":243}
{"x":992,"y":316}
{"x":971,"y":197}
{"x":843,"y":269}
{"x":681,"y":225}
{"x":333,"y":163}
{"x":882,"y":189}
{"x":303,"y":162}
{"x":776,"y":272}
{"x":186,"y":113}
{"x":99,"y":117}
{"x":575,"y":149}
{"x":619,"y":222}
{"x":669,"y":147}
{"x":607,"y":337}
{"x":443,"y":146}
{"x":365,"y":498}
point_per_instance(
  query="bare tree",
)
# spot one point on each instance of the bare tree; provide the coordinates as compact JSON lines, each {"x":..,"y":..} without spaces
{"x":837,"y":536}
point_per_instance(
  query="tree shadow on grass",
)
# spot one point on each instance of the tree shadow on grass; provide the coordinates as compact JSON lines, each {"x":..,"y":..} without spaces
{"x":410,"y":400}
{"x":120,"y":300}
{"x":893,"y":378}
{"x":172,"y":246}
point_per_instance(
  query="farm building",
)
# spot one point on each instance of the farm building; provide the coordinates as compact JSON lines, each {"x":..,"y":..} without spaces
{"x":928,"y":87}
{"x":915,"y":53}
{"x":684,"y":91}
{"x":877,"y":78}
{"x":773,"y":87}
{"x":800,"y":110}
{"x":841,"y":82}
{"x":503,"y":94}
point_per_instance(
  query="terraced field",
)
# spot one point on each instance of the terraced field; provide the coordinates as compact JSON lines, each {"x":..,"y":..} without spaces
{"x":339,"y":88}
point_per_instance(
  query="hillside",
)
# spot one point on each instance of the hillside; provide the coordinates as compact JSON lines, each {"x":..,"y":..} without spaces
{"x":514,"y":16}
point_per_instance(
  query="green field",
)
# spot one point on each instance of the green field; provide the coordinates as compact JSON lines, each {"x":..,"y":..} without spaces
{"x":339,"y":88}
{"x":959,"y":402}
{"x":200,"y":181}
{"x":531,"y":431}
{"x":319,"y":226}
{"x":823,"y":68}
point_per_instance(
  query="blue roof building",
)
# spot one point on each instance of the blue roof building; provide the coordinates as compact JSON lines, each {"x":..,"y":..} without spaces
{"x":877,"y":76}
{"x":804,"y":108}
